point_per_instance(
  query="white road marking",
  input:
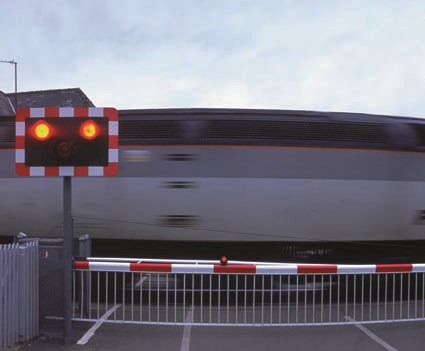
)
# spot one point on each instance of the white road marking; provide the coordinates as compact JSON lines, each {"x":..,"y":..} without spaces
{"x":140,"y":282}
{"x":187,"y":330}
{"x":86,"y":337}
{"x":371,"y":335}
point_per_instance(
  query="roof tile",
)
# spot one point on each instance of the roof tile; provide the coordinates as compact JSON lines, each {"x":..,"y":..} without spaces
{"x":5,"y":106}
{"x":52,"y":98}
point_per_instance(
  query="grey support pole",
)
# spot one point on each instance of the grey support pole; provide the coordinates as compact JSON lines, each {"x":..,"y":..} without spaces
{"x":16,"y":85}
{"x":67,"y":259}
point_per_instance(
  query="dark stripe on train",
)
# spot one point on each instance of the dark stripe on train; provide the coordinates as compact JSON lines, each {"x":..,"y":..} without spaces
{"x":259,"y":128}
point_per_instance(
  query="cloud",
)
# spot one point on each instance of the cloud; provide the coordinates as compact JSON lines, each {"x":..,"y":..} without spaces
{"x":329,"y":55}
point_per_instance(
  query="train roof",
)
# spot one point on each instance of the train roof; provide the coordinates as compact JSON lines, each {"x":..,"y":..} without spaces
{"x":242,"y":113}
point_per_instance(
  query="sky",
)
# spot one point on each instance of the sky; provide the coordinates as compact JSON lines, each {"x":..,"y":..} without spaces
{"x":325,"y":55}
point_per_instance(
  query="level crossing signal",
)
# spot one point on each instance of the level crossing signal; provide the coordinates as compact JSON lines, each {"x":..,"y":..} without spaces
{"x":61,"y":142}
{"x":48,"y":143}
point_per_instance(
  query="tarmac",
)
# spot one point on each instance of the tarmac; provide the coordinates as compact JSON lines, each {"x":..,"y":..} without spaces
{"x":401,"y":336}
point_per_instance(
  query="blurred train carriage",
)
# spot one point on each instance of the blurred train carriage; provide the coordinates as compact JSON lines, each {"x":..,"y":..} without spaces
{"x":315,"y":180}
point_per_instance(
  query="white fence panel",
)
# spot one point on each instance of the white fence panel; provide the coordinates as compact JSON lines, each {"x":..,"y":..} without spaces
{"x":18,"y":293}
{"x":247,"y":294}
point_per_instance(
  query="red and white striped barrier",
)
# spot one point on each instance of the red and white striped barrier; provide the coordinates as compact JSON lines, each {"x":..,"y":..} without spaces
{"x":247,"y":268}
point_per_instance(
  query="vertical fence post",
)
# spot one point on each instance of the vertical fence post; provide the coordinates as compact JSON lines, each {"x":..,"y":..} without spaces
{"x":22,"y":274}
{"x":35,"y":260}
{"x":2,"y":284}
{"x":84,"y":250}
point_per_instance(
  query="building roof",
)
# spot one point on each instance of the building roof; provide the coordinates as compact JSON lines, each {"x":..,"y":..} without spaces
{"x":6,"y":108}
{"x":52,"y":98}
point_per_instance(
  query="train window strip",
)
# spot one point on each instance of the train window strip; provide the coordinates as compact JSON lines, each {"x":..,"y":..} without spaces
{"x":243,"y":132}
{"x":142,"y":129}
{"x":180,"y":157}
{"x":328,"y":134}
{"x":420,"y":133}
{"x":178,"y":185}
{"x":239,"y":130}
{"x":178,"y":220}
{"x":291,"y":130}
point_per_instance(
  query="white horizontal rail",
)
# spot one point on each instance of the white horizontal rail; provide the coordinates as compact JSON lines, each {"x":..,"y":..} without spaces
{"x":188,"y":266}
{"x":161,"y":260}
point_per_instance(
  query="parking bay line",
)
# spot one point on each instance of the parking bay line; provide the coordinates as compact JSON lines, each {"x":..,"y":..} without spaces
{"x":186,"y":331}
{"x":372,"y":335}
{"x":89,"y":333}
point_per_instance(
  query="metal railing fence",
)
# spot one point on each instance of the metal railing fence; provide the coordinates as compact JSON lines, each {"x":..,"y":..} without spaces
{"x":18,"y":293}
{"x":247,"y":294}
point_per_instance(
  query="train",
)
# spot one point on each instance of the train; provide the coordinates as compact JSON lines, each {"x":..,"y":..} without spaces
{"x":237,"y":175}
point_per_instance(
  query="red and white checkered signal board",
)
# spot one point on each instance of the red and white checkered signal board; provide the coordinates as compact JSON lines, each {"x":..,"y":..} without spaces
{"x":111,"y":114}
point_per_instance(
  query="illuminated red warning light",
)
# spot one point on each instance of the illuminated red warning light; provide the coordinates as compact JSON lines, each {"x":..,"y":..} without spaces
{"x":89,"y":130}
{"x":41,"y":130}
{"x":223,"y":260}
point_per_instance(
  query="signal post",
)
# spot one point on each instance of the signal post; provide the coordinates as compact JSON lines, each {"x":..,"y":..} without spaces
{"x":67,"y":142}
